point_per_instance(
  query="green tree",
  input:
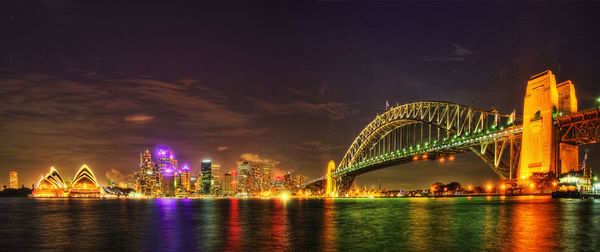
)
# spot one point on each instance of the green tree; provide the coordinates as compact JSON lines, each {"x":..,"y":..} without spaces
{"x":543,"y":180}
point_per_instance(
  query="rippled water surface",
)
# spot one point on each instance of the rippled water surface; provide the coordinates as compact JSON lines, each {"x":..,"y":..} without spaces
{"x":415,"y":224}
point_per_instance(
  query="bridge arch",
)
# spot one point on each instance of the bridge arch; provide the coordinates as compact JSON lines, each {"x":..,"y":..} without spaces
{"x":434,"y":122}
{"x":450,"y":118}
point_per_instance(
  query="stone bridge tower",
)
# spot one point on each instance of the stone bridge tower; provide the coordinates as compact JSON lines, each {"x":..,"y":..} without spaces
{"x":540,"y":149}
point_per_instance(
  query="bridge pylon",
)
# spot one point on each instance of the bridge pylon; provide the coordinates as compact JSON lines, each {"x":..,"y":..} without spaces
{"x":330,"y":189}
{"x":541,"y":150}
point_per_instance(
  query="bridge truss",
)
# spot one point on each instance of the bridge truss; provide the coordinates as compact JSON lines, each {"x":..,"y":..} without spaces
{"x":579,"y":128}
{"x":430,"y":130}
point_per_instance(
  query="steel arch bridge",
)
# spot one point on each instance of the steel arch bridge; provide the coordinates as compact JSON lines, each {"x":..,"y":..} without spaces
{"x":428,"y":130}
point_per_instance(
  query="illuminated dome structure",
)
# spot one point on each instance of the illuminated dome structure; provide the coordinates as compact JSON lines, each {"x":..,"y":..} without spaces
{"x":85,"y":184}
{"x":52,"y":185}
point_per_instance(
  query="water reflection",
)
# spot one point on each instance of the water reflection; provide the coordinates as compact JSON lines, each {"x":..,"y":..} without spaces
{"x":328,"y":235}
{"x":234,"y":226}
{"x":534,"y":224}
{"x":416,"y":224}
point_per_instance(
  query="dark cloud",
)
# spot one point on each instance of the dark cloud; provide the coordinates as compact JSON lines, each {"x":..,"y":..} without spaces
{"x":85,"y":118}
{"x":459,"y":54}
{"x":332,"y":110}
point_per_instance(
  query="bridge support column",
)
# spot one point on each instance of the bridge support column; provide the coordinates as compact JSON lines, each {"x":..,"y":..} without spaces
{"x":541,"y":150}
{"x":330,"y":189}
{"x":538,"y":150}
{"x":567,"y":104}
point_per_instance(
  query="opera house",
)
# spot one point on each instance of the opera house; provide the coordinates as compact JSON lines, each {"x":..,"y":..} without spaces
{"x":84,"y":185}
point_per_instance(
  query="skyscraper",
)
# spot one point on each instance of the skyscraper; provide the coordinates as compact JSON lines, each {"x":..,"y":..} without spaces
{"x":256,"y":178}
{"x":185,"y":178}
{"x":228,"y":187}
{"x":13,"y":180}
{"x":147,"y":175}
{"x":167,"y":173}
{"x":216,"y":178}
{"x":266,"y":178}
{"x":206,"y":176}
{"x":243,"y":176}
{"x":287,"y":181}
{"x":299,"y":181}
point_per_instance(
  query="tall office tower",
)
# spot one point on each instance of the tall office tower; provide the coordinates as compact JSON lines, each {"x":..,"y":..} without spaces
{"x":166,"y":172}
{"x":215,"y":169}
{"x":13,"y":180}
{"x":206,"y":176}
{"x":173,"y":162}
{"x":185,"y":178}
{"x":215,"y":172}
{"x":256,"y":182}
{"x":164,"y":158}
{"x":177,"y":181}
{"x":243,"y":175}
{"x":176,"y":171}
{"x":266,"y":178}
{"x":146,"y":177}
{"x":299,"y":181}
{"x":287,"y":181}
{"x":167,"y":184}
{"x":228,"y":188}
{"x":193,"y":180}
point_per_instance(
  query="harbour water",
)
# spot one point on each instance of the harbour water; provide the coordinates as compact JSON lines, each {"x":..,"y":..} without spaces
{"x":524,"y":223}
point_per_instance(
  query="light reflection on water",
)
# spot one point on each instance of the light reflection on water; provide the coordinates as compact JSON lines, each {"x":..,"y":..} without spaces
{"x":415,"y":224}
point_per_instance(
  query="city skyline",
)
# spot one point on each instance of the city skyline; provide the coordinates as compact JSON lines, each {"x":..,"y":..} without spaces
{"x":291,"y":93}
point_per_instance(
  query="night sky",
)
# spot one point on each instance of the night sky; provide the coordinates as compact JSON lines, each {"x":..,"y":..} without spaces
{"x":289,"y":84}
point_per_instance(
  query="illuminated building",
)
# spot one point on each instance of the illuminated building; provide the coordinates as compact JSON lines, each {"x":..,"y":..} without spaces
{"x":166,"y":172}
{"x":243,"y":173}
{"x":193,"y":180}
{"x":167,"y":182}
{"x":278,"y":183}
{"x":266,"y":178}
{"x":255,"y":178}
{"x":185,"y":178}
{"x":147,"y":176}
{"x":287,"y":181}
{"x":84,"y":185}
{"x":298,"y":181}
{"x":164,"y":158}
{"x":215,"y":170}
{"x":206,"y":177}
{"x":228,"y":186}
{"x":51,"y":185}
{"x":13,"y":180}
